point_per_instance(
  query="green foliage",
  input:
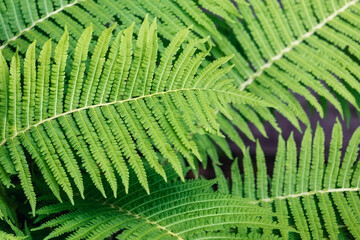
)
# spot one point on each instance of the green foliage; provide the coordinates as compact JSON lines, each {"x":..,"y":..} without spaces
{"x":108,"y":96}
{"x":305,"y":46}
{"x":279,"y":54}
{"x":117,"y":106}
{"x":271,"y":56}
{"x":174,"y":210}
{"x":320,"y":200}
{"x":8,"y":236}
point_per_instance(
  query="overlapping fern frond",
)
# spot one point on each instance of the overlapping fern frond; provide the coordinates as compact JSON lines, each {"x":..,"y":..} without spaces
{"x":305,"y":46}
{"x":320,"y":200}
{"x":113,"y":108}
{"x":22,"y":23}
{"x":175,"y":210}
{"x":69,"y":113}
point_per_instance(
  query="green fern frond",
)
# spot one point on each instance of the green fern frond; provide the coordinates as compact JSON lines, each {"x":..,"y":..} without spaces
{"x":9,"y":236}
{"x":175,"y":210}
{"x":8,"y":231}
{"x":299,"y":45}
{"x":51,"y":17}
{"x":223,"y":8}
{"x":266,"y":51}
{"x":113,"y":108}
{"x":106,"y":107}
{"x":318,"y":198}
{"x":229,"y":236}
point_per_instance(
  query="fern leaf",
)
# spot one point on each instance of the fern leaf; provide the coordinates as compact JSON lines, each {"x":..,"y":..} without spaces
{"x":224,"y":9}
{"x":109,"y":144}
{"x":312,"y":190}
{"x":237,"y":184}
{"x":345,"y":171}
{"x":64,"y":149}
{"x":4,"y":81}
{"x":139,"y":57}
{"x":330,"y":177}
{"x":78,"y":69}
{"x":317,"y":168}
{"x":261,"y":180}
{"x":43,"y":82}
{"x":176,"y":211}
{"x":4,"y":177}
{"x":110,"y":70}
{"x":14,"y":108}
{"x":163,"y":71}
{"x":280,"y":43}
{"x":24,"y":173}
{"x":96,"y":149}
{"x":149,"y":60}
{"x":43,"y":141}
{"x":29,"y":87}
{"x":96,"y":63}
{"x":78,"y":142}
{"x":6,"y":160}
{"x":181,"y":63}
{"x":165,"y":123}
{"x":58,"y":75}
{"x":124,"y":61}
{"x":249,"y":178}
{"x":112,"y":112}
{"x":222,"y":182}
{"x":45,"y":169}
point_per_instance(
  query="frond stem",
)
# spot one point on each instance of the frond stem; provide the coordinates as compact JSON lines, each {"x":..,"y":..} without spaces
{"x":112,"y":103}
{"x":140,"y":217}
{"x":38,"y":21}
{"x":303,"y":194}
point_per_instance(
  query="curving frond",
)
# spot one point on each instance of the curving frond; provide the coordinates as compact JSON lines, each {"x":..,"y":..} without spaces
{"x":229,"y":236}
{"x":303,"y":46}
{"x":175,"y":210}
{"x":115,"y":107}
{"x":20,"y":24}
{"x":278,"y":46}
{"x":321,"y":200}
{"x":145,"y":95}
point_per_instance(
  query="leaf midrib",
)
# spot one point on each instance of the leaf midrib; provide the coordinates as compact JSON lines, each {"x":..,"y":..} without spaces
{"x":295,"y":43}
{"x":38,"y":21}
{"x":145,"y":219}
{"x":112,"y":103}
{"x":310,"y":193}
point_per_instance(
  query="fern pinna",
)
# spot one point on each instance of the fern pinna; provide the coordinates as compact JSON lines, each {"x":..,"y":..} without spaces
{"x":112,"y":109}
